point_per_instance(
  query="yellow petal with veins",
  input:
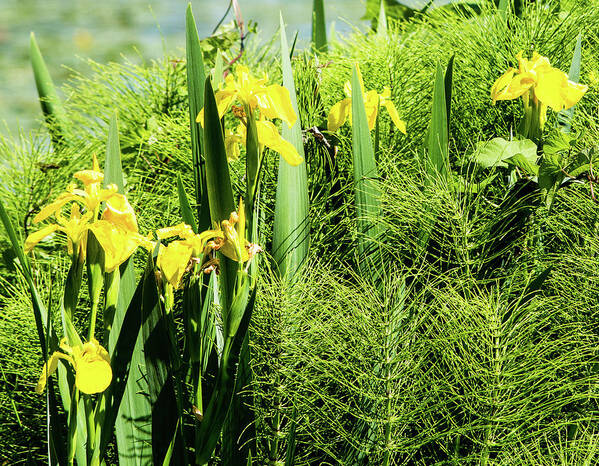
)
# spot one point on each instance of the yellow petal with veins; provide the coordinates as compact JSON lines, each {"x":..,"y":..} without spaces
{"x":93,"y":373}
{"x":371,"y":105}
{"x":55,"y":206}
{"x":49,"y":369}
{"x":182,"y":229}
{"x":88,"y":177}
{"x":279,"y":105}
{"x":549,"y":88}
{"x":269,"y":136}
{"x":573,"y":93}
{"x":34,"y":238}
{"x":173,"y":260}
{"x":338,"y":114}
{"x":118,"y":244}
{"x":501,"y":84}
{"x":401,"y":126}
{"x":232,"y":142}
{"x":120,"y":213}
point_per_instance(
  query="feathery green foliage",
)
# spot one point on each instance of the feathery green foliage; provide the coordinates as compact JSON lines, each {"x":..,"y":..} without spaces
{"x":446,"y":357}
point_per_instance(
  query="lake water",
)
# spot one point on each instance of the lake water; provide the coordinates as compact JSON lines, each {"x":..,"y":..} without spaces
{"x":68,"y":31}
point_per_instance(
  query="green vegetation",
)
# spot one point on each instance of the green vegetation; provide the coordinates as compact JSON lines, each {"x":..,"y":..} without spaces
{"x":445,"y":311}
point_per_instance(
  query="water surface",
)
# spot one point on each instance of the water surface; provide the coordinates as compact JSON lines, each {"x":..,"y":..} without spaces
{"x":69,"y":31}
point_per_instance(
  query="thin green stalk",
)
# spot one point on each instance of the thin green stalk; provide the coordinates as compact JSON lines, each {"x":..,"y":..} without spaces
{"x":388,"y":388}
{"x":91,"y":427}
{"x":92,"y":323}
{"x":113,"y":282}
{"x":72,"y":423}
{"x":98,"y":417}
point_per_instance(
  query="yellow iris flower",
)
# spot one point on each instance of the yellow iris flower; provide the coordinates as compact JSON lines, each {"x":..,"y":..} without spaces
{"x":537,"y":81}
{"x":75,"y":228}
{"x":175,"y":259}
{"x":90,"y":197}
{"x":91,"y":362}
{"x":116,"y":231}
{"x":341,"y":111}
{"x":265,"y":101}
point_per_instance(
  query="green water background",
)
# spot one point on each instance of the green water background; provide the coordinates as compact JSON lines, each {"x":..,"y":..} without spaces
{"x":70,"y":31}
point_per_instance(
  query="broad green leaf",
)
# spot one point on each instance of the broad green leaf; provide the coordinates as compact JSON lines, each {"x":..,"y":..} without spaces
{"x":557,"y":141}
{"x":550,"y":172}
{"x":68,"y":305}
{"x":52,"y":107}
{"x":220,"y":193}
{"x":253,"y":164}
{"x":291,"y":228}
{"x":95,"y":278}
{"x":134,"y":409}
{"x":198,"y":319}
{"x":113,"y":171}
{"x":158,"y":349}
{"x":565,"y":117}
{"x":494,"y":153}
{"x":218,"y":406}
{"x":319,"y":29}
{"x":239,"y":431}
{"x":448,"y":80}
{"x":367,"y":195}
{"x":196,"y":75}
{"x":438,"y":134}
{"x":186,"y":212}
{"x":525,"y":164}
{"x":123,"y":348}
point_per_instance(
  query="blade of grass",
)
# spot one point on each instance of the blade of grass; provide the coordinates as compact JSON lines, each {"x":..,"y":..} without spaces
{"x":218,"y":182}
{"x":438,"y":135}
{"x":52,"y":107}
{"x":365,"y":174}
{"x":291,"y":223}
{"x":186,"y":212}
{"x":196,"y":75}
{"x":564,"y":117}
{"x":319,"y":28}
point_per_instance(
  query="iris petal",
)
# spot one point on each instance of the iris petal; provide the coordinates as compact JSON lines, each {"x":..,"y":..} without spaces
{"x":172,"y":261}
{"x":120,"y":213}
{"x":549,"y":88}
{"x":34,"y":238}
{"x":93,"y":373}
{"x":400,"y":124}
{"x":280,"y":104}
{"x":270,"y":137}
{"x":338,"y":114}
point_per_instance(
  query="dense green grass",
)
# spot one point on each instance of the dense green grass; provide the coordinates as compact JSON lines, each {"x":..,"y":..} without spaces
{"x":461,"y":354}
